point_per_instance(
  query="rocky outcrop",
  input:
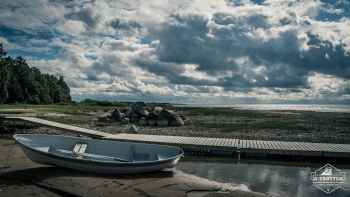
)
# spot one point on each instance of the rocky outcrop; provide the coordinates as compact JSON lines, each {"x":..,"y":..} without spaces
{"x":140,"y":114}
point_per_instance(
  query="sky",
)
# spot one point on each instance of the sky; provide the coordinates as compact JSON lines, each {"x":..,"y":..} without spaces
{"x":193,"y":51}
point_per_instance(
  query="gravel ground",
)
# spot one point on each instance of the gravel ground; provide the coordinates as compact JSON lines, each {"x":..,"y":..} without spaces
{"x":322,"y":127}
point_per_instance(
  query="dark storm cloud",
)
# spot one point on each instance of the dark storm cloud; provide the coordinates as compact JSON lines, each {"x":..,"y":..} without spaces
{"x":189,"y":44}
{"x":86,"y":15}
{"x":287,"y":64}
{"x":117,"y":24}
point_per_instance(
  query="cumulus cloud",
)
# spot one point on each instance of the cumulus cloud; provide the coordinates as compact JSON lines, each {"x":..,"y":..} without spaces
{"x":208,"y":50}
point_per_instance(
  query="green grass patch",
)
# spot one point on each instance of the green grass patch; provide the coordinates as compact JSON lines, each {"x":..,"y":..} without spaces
{"x":58,"y":120}
{"x":228,"y":127}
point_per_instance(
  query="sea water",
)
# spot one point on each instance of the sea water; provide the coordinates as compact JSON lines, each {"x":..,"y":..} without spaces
{"x":268,"y":179}
{"x":299,"y":107}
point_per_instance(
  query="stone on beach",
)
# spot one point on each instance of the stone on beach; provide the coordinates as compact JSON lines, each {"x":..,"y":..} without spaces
{"x":125,"y":121}
{"x":187,"y":122}
{"x":151,"y":115}
{"x":136,"y":107}
{"x":143,"y":112}
{"x":102,"y":118}
{"x":116,"y":115}
{"x":177,"y":122}
{"x":135,"y":117}
{"x":142,"y":122}
{"x":133,"y":130}
{"x":169,"y":115}
{"x":162,"y":121}
{"x":152,"y":122}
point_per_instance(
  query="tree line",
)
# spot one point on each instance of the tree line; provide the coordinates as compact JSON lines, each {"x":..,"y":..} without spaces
{"x":20,"y":83}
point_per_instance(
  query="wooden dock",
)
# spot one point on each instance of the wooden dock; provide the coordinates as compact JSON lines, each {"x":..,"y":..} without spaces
{"x":58,"y":126}
{"x":181,"y":141}
{"x":253,"y":147}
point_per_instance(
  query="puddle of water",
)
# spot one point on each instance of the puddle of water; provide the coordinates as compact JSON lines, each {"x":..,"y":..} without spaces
{"x":272,"y":179}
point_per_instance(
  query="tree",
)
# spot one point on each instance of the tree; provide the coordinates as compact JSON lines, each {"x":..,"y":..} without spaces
{"x":21,"y":83}
{"x":4,"y":75}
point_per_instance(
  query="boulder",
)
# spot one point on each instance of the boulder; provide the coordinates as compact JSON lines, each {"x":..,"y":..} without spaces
{"x":116,"y":115}
{"x":187,"y":122}
{"x":177,"y":122}
{"x":134,"y":117}
{"x":151,"y":115}
{"x":128,"y":113}
{"x":169,"y":115}
{"x":133,"y":130}
{"x":142,"y":122}
{"x":102,"y":118}
{"x":152,"y":122}
{"x":136,"y":107}
{"x":183,"y":117}
{"x":126,"y":109}
{"x":143,"y":112}
{"x":162,"y":121}
{"x":125,"y":121}
{"x":157,"y":109}
{"x":112,"y":120}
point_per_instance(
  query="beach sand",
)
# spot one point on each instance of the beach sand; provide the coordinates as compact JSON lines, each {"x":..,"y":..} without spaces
{"x":22,"y":177}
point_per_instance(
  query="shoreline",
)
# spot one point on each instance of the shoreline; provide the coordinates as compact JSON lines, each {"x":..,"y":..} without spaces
{"x":314,"y":127}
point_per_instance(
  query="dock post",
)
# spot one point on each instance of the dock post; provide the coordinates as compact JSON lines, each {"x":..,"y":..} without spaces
{"x":238,"y":154}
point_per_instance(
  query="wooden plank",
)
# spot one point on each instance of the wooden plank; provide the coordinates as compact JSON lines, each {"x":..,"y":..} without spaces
{"x":310,"y":146}
{"x":286,"y":146}
{"x":200,"y":141}
{"x":76,"y":148}
{"x":298,"y":146}
{"x":258,"y":144}
{"x":268,"y":145}
{"x":294,"y":147}
{"x":82,"y":148}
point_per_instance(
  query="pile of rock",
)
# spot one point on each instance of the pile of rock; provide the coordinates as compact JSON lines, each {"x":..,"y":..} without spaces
{"x":143,"y":116}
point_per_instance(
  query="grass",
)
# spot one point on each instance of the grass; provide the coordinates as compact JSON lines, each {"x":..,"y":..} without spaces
{"x":229,"y":127}
{"x":16,"y":124}
{"x":58,"y":120}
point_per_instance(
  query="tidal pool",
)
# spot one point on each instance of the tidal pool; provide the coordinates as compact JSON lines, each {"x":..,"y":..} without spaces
{"x":269,"y":179}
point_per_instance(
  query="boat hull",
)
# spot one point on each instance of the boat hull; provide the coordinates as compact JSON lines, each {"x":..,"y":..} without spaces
{"x":97,"y":165}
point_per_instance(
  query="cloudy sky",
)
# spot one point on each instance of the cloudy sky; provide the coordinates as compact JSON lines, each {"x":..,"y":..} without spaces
{"x":193,"y":51}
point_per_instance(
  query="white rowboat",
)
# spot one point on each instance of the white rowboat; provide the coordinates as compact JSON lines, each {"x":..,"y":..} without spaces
{"x":101,"y":156}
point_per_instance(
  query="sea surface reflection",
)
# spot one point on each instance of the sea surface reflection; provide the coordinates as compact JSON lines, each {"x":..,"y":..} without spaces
{"x":268,"y":179}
